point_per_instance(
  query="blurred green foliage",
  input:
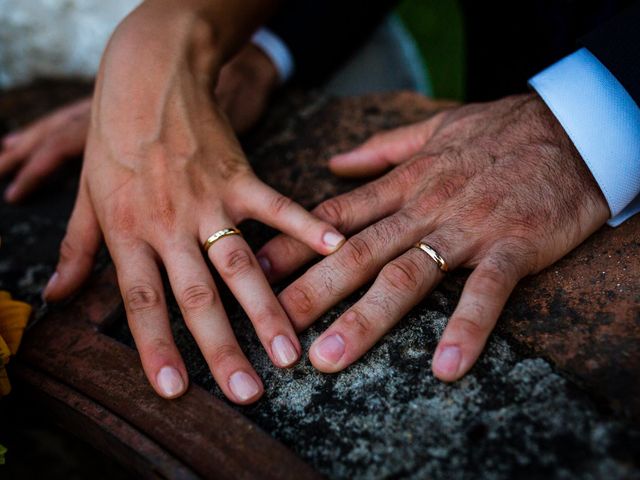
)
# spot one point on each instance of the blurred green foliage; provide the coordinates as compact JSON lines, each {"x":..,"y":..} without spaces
{"x":437,"y":28}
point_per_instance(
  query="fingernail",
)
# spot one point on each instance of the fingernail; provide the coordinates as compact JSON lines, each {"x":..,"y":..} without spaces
{"x":50,"y":284}
{"x":265,"y":264}
{"x":10,"y":192}
{"x":284,"y":351}
{"x":333,"y":240}
{"x":243,"y":386}
{"x":330,"y":349}
{"x":170,"y":381}
{"x":448,"y":361}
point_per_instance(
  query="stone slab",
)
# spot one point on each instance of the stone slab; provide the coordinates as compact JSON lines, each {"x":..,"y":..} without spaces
{"x":554,"y":395}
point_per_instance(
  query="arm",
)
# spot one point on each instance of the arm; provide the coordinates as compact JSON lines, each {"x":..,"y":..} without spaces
{"x":595,"y":95}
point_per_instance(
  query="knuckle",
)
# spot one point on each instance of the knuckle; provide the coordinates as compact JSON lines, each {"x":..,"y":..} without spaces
{"x":403,"y":275}
{"x":141,"y":298}
{"x":282,"y":247}
{"x":509,"y":263}
{"x":358,"y":252}
{"x":161,"y":344}
{"x":333,"y":281}
{"x":492,"y":275}
{"x":470,"y":324}
{"x":447,"y":189}
{"x":279,"y":205}
{"x":232,"y":167}
{"x":237,"y":263}
{"x":196,"y":297}
{"x":223,"y":354}
{"x":266,"y":317}
{"x":298,"y":299}
{"x":164,"y":214}
{"x":385,"y":232}
{"x":412,"y":171}
{"x":122,"y":219}
{"x":358,"y":323}
{"x":333,"y":212}
{"x":70,"y":250}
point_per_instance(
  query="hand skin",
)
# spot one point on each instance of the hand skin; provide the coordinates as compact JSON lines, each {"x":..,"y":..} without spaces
{"x":41,"y":148}
{"x":495,"y":187}
{"x":162,"y":172}
{"x":243,"y":91}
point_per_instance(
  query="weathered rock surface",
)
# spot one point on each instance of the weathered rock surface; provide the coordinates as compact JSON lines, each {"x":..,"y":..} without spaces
{"x":536,"y":405}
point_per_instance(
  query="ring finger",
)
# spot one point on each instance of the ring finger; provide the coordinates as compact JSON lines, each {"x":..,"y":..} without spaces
{"x":239,"y":269}
{"x":401,"y":285}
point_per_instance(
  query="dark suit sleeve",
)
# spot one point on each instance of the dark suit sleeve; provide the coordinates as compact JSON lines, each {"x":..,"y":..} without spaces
{"x":322,"y":34}
{"x":617,"y":45}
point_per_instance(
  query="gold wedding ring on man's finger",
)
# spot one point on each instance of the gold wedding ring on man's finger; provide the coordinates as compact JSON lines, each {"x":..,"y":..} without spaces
{"x":220,"y":234}
{"x":435,"y":256}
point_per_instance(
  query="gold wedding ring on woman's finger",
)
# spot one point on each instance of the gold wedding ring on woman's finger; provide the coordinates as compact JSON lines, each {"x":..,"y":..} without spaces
{"x":225,"y":232}
{"x":435,"y":256}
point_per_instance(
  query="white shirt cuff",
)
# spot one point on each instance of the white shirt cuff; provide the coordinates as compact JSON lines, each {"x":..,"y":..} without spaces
{"x":603,"y":122}
{"x":277,"y":51}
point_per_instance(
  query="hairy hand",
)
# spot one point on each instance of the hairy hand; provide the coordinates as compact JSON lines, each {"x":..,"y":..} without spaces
{"x":162,"y":172}
{"x":495,"y":187}
{"x":245,"y":87}
{"x":36,"y":151}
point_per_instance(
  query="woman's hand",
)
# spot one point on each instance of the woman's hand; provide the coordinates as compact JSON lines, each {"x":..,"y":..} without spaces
{"x":42,"y":147}
{"x":35,"y":152}
{"x":495,"y":187}
{"x":162,"y":172}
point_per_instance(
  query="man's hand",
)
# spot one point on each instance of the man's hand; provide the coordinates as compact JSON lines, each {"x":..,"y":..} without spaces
{"x":495,"y":187}
{"x":35,"y":152}
{"x":245,"y":87}
{"x":162,"y":172}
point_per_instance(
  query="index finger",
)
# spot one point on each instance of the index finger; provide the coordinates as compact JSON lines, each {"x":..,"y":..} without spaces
{"x":348,"y":213}
{"x":282,"y":213}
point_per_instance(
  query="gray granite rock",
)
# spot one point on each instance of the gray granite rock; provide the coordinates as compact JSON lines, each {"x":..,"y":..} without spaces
{"x":388,"y":417}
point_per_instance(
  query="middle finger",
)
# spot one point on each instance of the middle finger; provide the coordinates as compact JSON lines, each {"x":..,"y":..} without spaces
{"x":401,"y":284}
{"x":206,"y":319}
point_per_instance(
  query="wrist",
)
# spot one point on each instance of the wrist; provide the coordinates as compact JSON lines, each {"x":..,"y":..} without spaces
{"x":551,"y":131}
{"x":159,"y":34}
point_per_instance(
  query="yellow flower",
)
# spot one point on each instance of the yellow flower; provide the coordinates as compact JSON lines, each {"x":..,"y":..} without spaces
{"x":14,"y":316}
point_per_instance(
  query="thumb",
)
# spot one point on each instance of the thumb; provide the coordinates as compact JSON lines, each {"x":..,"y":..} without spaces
{"x":383,"y":150}
{"x":77,"y":251}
